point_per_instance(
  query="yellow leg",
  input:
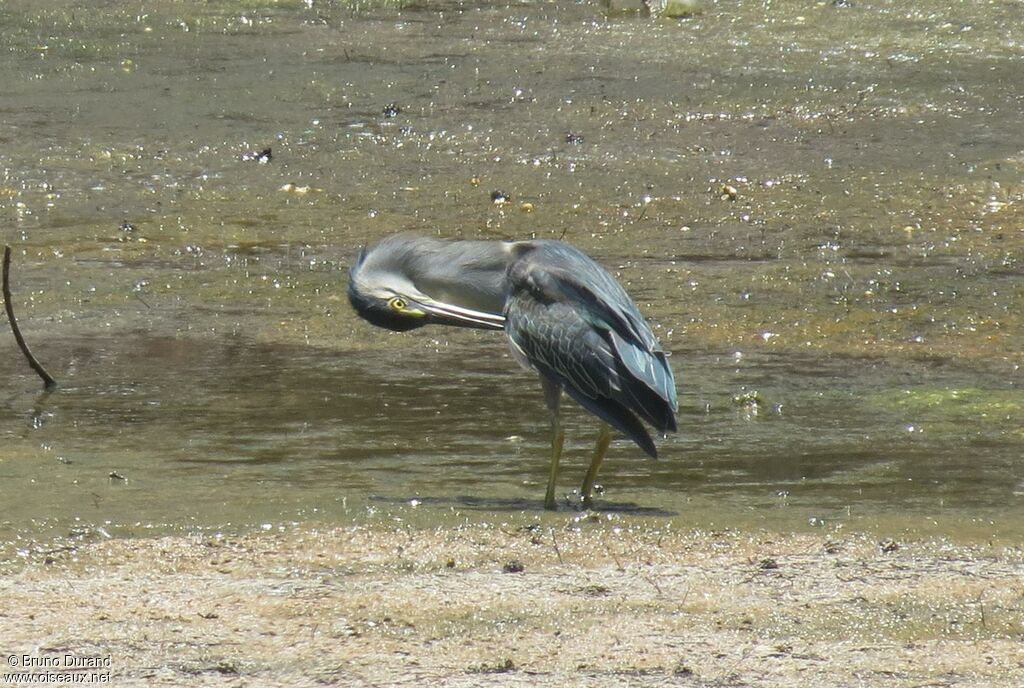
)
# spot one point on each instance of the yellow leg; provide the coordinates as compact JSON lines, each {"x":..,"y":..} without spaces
{"x":552,"y":397}
{"x":604,"y":438}
{"x":557,"y":442}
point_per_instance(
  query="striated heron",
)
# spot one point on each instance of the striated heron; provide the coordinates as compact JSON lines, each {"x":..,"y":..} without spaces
{"x":565,"y":318}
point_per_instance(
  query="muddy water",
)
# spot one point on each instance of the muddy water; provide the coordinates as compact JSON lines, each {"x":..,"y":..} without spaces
{"x":819,"y":208}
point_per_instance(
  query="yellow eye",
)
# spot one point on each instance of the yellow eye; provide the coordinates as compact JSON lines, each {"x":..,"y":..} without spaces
{"x":397,"y":304}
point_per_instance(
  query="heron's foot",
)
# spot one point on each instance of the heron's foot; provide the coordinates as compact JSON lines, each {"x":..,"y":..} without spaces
{"x":587,"y":499}
{"x":572,"y":501}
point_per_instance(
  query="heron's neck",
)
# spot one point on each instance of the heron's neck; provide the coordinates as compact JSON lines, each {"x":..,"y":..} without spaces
{"x":471,"y":274}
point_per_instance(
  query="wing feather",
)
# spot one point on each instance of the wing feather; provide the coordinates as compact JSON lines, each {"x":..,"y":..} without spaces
{"x":577,"y":326}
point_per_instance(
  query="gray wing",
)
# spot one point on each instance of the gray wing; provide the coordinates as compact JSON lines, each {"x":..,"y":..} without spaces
{"x":577,"y":326}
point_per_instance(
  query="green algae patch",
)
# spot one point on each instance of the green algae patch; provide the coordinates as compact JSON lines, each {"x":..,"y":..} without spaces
{"x":955,"y":404}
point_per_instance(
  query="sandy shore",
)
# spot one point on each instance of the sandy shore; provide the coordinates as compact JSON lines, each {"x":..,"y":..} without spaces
{"x":559,"y":603}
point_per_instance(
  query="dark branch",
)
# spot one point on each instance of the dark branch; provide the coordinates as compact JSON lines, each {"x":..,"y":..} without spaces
{"x":48,"y":381}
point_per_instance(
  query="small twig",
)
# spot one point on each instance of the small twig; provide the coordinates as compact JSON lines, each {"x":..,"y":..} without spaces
{"x":615,"y":557}
{"x":654,"y":583}
{"x":554,"y":542}
{"x":48,"y":382}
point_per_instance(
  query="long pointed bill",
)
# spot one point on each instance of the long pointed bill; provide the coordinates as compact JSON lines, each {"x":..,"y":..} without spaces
{"x":449,"y":314}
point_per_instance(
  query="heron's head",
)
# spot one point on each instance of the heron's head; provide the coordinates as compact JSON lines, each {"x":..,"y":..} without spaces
{"x":382,"y":290}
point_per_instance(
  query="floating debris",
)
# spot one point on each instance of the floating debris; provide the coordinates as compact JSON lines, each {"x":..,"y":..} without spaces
{"x":728,"y":193}
{"x":501,"y":667}
{"x":678,"y":9}
{"x":262,"y":157}
{"x":392,"y":110}
{"x":888,"y":546}
{"x":513,"y":566}
{"x":574,"y":139}
{"x":298,"y":190}
{"x":748,"y":400}
{"x":499,"y":197}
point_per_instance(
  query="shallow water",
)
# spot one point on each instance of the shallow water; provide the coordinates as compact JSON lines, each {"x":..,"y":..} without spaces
{"x":818,"y":205}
